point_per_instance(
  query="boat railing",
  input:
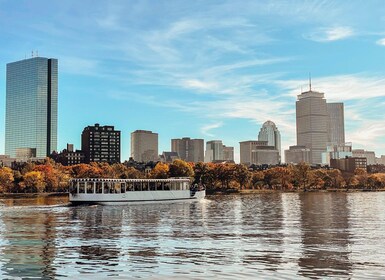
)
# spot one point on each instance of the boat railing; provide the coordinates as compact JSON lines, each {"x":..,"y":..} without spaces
{"x":119,"y":186}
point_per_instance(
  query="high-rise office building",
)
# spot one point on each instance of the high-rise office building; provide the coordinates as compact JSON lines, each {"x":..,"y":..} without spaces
{"x":191,"y":150}
{"x":312,"y":124}
{"x":336,"y":127}
{"x":214,"y":150}
{"x":144,"y":146}
{"x":31,"y":107}
{"x":270,"y":133}
{"x":101,"y":144}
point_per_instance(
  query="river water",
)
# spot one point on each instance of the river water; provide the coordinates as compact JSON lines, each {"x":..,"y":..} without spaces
{"x":258,"y":236}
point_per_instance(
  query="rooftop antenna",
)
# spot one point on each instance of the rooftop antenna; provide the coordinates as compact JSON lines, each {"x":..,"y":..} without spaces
{"x":309,"y":81}
{"x":32,"y":54}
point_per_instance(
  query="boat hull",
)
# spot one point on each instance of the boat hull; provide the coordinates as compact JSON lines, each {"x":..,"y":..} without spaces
{"x":137,"y":197}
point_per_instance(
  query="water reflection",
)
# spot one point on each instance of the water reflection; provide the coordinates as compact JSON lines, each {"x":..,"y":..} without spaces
{"x":28,"y":244}
{"x":325,"y":235}
{"x":273,"y":235}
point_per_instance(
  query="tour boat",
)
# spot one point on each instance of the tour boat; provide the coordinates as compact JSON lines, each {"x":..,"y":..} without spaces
{"x":127,"y":191}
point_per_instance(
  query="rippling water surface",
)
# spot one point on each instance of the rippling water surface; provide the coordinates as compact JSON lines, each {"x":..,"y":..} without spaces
{"x":271,"y":235}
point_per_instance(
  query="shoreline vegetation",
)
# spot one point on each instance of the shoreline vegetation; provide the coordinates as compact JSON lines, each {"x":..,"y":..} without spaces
{"x":49,"y":177}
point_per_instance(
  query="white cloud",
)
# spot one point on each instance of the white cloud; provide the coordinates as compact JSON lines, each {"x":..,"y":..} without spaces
{"x":207,"y":128}
{"x":331,"y":34}
{"x":341,"y":88}
{"x":381,"y":42}
{"x":199,"y":85}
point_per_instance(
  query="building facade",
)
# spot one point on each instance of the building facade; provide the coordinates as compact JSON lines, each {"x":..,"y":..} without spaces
{"x":270,"y":133}
{"x":69,"y":156}
{"x":214,"y":151}
{"x":369,"y":155}
{"x":349,"y":164}
{"x":169,"y":157}
{"x":258,"y":152}
{"x":228,"y":153}
{"x":312,"y":124}
{"x":101,"y":144}
{"x":144,"y":146}
{"x":336,"y":151}
{"x":336,"y":123}
{"x":190,"y":150}
{"x":31,"y":106}
{"x":297,"y":154}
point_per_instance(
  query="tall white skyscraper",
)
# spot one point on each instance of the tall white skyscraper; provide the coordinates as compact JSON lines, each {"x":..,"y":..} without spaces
{"x":270,"y":133}
{"x":31,"y":107}
{"x":312,"y":124}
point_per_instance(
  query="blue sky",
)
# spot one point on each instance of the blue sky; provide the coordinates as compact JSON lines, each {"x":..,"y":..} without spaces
{"x":203,"y":69}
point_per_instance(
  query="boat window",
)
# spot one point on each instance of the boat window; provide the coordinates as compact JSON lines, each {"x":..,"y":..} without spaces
{"x":138,"y":186}
{"x":159,"y":186}
{"x":130,"y":187}
{"x":152,"y":186}
{"x":122,"y":187}
{"x":81,"y":187}
{"x":90,"y":187}
{"x":107,"y":187}
{"x":167,"y":186}
{"x":73,"y":187}
{"x":116,"y":188}
{"x":99,"y":187}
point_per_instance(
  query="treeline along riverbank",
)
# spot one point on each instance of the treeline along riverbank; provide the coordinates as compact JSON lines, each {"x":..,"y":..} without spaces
{"x":49,"y":177}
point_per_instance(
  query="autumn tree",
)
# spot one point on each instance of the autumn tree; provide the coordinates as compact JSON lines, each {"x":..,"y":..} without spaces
{"x":241,"y":175}
{"x":33,"y":181}
{"x":224,"y":174}
{"x":257,"y":179}
{"x":302,"y":175}
{"x":361,"y":175}
{"x":6,"y":179}
{"x":160,"y":171}
{"x":180,"y":168}
{"x":204,"y":174}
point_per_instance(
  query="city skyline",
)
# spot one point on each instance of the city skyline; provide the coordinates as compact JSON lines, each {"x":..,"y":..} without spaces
{"x":214,"y":70}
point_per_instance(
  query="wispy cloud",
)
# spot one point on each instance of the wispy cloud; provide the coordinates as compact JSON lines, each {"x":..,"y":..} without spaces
{"x":207,"y":128}
{"x":199,"y":85}
{"x":381,"y":42}
{"x":331,"y":34}
{"x":342,"y":87}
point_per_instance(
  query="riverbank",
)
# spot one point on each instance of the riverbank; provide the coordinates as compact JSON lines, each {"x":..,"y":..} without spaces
{"x":32,"y":195}
{"x":255,"y":191}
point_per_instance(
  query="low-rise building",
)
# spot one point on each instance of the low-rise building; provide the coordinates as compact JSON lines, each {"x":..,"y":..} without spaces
{"x":169,"y":157}
{"x":336,"y":151}
{"x":297,"y":154}
{"x":369,"y":155}
{"x":349,"y":164}
{"x":69,"y":156}
{"x":258,"y":152}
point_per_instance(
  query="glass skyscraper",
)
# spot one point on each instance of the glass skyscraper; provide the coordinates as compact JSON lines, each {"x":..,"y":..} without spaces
{"x":31,"y":107}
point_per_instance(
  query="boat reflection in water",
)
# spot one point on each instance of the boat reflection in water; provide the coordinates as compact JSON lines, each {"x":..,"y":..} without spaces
{"x":126,"y":191}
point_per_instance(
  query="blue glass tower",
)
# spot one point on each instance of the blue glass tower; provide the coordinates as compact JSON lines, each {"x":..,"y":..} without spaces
{"x":31,"y":107}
